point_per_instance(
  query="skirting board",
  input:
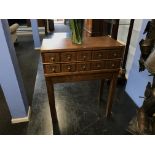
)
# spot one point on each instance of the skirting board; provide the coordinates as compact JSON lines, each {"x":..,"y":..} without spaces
{"x":23,"y":119}
{"x":37,"y":48}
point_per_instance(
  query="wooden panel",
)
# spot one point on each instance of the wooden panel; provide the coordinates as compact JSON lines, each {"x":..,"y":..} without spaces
{"x":115,"y":54}
{"x":81,"y":77}
{"x":41,"y":22}
{"x":68,"y":56}
{"x":84,"y":55}
{"x":97,"y":27}
{"x":53,"y":68}
{"x":107,"y":54}
{"x":88,"y":24}
{"x":61,"y":74}
{"x":83,"y":66}
{"x":98,"y":65}
{"x":50,"y":57}
{"x":100,"y":54}
{"x":68,"y":67}
{"x":101,"y":27}
{"x":113,"y":64}
{"x":60,"y":44}
{"x":87,"y":28}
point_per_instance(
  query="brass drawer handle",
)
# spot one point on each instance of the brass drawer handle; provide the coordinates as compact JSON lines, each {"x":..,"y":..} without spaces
{"x":115,"y":54}
{"x":52,"y":69}
{"x":98,"y":66}
{"x":113,"y":65}
{"x":99,"y":55}
{"x":52,"y":59}
{"x":84,"y":57}
{"x":69,"y":68}
{"x":84,"y":67}
{"x":69,"y":57}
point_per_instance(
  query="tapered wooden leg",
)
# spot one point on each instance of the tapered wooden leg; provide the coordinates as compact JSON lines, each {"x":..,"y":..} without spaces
{"x":101,"y":85}
{"x":111,"y":95}
{"x":51,"y":98}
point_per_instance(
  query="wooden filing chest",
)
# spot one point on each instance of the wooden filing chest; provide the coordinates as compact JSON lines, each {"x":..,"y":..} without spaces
{"x":97,"y":58}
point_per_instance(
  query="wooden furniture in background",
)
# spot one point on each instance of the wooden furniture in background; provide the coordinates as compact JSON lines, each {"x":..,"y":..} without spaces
{"x":47,"y":23}
{"x":101,"y":27}
{"x":41,"y":22}
{"x":97,"y":58}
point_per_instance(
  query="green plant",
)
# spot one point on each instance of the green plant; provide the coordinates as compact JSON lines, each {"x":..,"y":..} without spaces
{"x":76,"y":26}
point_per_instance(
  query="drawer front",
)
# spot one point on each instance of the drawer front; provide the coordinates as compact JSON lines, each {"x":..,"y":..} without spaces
{"x":84,"y":55}
{"x":69,"y":67}
{"x":98,"y":65}
{"x":52,"y":68}
{"x":115,"y":54}
{"x":83,"y":66}
{"x":51,"y":57}
{"x":68,"y":56}
{"x":98,"y":55}
{"x":107,"y":54}
{"x":113,"y":64}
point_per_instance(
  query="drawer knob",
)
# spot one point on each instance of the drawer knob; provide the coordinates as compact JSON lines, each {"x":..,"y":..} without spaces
{"x":69,"y":57}
{"x":84,"y":57}
{"x":69,"y":68}
{"x":52,"y":59}
{"x":99,"y":54}
{"x":98,"y":65}
{"x":84,"y":67}
{"x":115,"y":54}
{"x":113,"y":65}
{"x":53,"y":69}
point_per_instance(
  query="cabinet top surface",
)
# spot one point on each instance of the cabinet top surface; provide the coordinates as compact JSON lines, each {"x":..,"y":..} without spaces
{"x":61,"y":43}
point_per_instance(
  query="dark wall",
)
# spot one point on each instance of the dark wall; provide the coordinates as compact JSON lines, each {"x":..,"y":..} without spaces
{"x":19,"y":21}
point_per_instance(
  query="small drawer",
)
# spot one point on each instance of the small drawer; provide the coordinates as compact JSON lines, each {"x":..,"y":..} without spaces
{"x":115,"y":54}
{"x":98,"y":65}
{"x":83,"y":66}
{"x":52,"y":68}
{"x":69,"y":67}
{"x":68,"y":56}
{"x":98,"y":55}
{"x":51,"y":57}
{"x":84,"y":55}
{"x":113,"y":64}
